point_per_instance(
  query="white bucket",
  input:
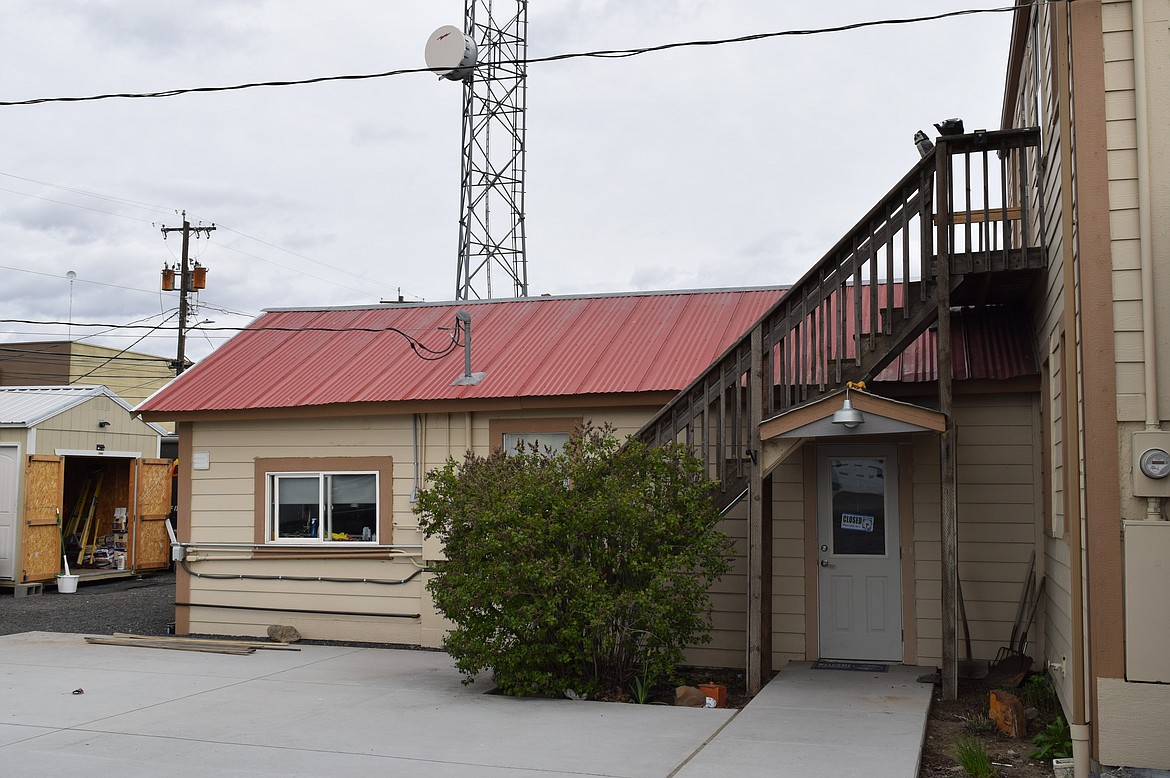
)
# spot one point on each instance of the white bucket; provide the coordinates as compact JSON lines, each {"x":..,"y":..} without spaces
{"x":67,"y":584}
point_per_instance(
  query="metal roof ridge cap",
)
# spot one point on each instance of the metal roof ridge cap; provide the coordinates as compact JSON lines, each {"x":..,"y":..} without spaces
{"x":539,"y":298}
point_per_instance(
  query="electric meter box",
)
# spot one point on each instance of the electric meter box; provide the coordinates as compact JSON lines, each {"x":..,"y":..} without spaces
{"x":1151,"y":464}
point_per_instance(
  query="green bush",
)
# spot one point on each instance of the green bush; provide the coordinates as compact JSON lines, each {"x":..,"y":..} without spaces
{"x":581,"y":570}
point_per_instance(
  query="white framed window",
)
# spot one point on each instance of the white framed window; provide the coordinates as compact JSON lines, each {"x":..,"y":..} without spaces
{"x":546,"y":432}
{"x":323,"y":507}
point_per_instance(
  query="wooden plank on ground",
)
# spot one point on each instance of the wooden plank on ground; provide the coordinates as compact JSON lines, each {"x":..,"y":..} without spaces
{"x":133,"y":643}
{"x":270,"y":646}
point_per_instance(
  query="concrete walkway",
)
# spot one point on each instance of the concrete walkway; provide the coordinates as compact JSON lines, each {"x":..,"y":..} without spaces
{"x":341,"y":711}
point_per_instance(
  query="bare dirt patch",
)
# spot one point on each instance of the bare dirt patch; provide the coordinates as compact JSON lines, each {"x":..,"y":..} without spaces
{"x":952,"y":720}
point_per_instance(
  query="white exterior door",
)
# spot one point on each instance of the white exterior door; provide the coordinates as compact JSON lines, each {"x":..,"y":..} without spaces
{"x":859,"y":561}
{"x":9,"y":470}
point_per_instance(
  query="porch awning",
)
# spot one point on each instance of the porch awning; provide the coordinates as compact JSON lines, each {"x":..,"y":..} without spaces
{"x":878,"y":416}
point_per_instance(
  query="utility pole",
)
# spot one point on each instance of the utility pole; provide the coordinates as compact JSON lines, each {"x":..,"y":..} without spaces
{"x":189,"y":280}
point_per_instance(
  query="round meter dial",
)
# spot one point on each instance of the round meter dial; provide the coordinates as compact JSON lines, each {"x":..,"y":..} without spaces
{"x":1155,"y":463}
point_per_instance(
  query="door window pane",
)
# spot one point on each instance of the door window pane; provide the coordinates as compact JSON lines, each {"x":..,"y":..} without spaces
{"x":859,"y":505}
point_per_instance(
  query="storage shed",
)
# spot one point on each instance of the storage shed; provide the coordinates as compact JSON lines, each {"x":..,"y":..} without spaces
{"x":73,"y":461}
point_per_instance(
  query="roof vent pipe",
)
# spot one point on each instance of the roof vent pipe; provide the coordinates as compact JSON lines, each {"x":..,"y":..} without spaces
{"x":463,"y":323}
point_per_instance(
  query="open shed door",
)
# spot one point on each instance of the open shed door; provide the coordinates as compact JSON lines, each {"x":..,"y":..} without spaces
{"x":152,"y":543}
{"x":44,"y":478}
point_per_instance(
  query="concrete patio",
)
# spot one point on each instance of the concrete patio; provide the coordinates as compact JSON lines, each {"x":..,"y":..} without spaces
{"x":344,"y":711}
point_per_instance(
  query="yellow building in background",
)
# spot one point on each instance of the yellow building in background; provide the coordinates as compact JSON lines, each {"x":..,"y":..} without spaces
{"x":130,"y":375}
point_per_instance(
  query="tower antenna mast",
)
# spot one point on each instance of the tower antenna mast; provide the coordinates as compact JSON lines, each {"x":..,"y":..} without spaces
{"x":489,"y":56}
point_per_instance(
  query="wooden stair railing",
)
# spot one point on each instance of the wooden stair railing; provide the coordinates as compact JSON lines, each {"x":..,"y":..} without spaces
{"x":866,"y":300}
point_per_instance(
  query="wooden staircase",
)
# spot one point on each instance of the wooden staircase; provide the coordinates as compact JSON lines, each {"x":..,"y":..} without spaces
{"x":960,"y":228}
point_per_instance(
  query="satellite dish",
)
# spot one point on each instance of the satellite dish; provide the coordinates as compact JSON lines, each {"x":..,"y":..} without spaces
{"x":451,"y":53}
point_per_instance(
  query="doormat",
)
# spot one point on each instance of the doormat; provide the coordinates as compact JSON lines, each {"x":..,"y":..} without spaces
{"x":865,"y":667}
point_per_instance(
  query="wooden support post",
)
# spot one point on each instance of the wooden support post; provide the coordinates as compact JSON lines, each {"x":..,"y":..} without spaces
{"x":948,"y":509}
{"x":757,"y":604}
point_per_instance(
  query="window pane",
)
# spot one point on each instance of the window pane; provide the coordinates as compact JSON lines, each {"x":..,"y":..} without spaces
{"x":353,"y":488}
{"x":554,"y":442}
{"x":353,"y":507}
{"x":297,"y":506}
{"x":859,"y":506}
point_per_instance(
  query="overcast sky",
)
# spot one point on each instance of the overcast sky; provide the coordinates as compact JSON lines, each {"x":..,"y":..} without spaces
{"x":730,"y":165}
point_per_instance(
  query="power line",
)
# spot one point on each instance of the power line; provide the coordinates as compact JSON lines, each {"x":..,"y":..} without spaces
{"x":79,"y":278}
{"x":301,"y":256}
{"x":421,"y":349}
{"x":597,"y":54}
{"x":123,"y":351}
{"x":75,"y":205}
{"x":163,"y":209}
{"x":9,"y":354}
{"x":86,"y":193}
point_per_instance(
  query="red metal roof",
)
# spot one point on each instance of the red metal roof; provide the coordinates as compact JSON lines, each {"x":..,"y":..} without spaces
{"x":987,"y":343}
{"x":533,"y":347}
{"x":530,"y":347}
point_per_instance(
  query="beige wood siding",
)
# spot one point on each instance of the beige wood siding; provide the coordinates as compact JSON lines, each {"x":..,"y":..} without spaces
{"x":131,"y":376}
{"x":728,"y":601}
{"x":77,"y":430}
{"x":223,"y":512}
{"x":999,"y":495}
{"x":1054,"y":339}
{"x":789,"y":608}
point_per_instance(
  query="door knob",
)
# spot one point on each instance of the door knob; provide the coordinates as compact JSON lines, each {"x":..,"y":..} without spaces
{"x":825,"y":563}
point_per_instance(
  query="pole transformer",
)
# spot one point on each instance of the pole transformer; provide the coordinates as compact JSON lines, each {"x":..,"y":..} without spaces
{"x":491,"y":221}
{"x":190,"y":280}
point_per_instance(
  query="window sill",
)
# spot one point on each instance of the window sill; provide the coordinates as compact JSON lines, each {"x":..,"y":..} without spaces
{"x":362,"y":550}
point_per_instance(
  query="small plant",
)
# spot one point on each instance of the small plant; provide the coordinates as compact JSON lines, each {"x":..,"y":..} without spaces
{"x":972,"y":756}
{"x":640,"y":689}
{"x":1038,"y":693}
{"x":1054,"y":741}
{"x":977,"y":724}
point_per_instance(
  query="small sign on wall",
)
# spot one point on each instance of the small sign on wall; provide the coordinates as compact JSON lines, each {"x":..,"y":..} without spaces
{"x":201,"y":460}
{"x":857,"y":522}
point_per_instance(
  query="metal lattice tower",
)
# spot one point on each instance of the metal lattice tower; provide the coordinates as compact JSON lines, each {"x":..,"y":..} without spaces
{"x":491,"y":221}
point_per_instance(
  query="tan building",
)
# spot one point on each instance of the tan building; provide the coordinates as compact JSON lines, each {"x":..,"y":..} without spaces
{"x":967,"y":392}
{"x":1093,"y":77}
{"x":128,"y":374}
{"x":272,"y":413}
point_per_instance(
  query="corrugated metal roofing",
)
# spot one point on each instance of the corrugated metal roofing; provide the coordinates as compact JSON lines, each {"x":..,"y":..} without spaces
{"x":28,"y":406}
{"x":530,"y":347}
{"x":986,"y":344}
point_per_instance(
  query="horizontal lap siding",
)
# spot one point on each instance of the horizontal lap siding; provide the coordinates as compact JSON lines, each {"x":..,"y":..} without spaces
{"x":999,"y":497}
{"x":223,"y":511}
{"x":728,"y":601}
{"x":728,"y":646}
{"x":788,"y":569}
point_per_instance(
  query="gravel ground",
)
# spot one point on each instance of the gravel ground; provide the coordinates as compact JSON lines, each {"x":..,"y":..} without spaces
{"x":143,"y":605}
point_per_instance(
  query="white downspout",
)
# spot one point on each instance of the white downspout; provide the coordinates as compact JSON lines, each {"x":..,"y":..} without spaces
{"x":1146,"y":235}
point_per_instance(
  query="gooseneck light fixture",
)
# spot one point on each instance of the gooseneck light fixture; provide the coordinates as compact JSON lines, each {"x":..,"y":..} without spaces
{"x":847,"y":415}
